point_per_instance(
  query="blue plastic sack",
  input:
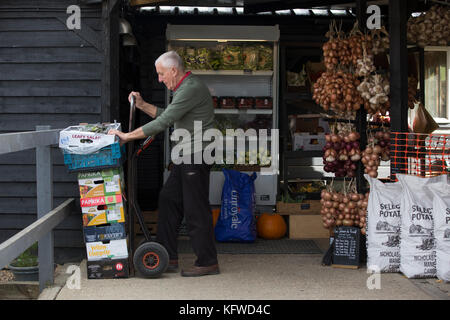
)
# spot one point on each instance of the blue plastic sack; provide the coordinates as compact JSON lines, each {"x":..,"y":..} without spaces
{"x":236,"y":222}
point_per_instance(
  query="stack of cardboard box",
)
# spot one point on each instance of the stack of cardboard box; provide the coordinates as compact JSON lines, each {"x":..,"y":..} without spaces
{"x":104,"y":229}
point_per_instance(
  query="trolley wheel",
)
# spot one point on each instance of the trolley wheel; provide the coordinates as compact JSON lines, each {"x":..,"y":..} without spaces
{"x":151,"y":259}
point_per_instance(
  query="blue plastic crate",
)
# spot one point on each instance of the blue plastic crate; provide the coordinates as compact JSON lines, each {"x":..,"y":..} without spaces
{"x":109,"y":156}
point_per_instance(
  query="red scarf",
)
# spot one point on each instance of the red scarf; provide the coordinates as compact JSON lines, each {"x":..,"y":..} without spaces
{"x":182,"y":79}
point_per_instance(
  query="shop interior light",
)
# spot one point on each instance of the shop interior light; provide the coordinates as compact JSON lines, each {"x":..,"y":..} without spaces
{"x":319,"y":12}
{"x":184,"y":9}
{"x":190,"y":9}
{"x":339,"y":12}
{"x":147,"y":8}
{"x":165,"y":9}
{"x":240,"y":10}
{"x":205,"y":9}
{"x":225,"y":10}
{"x":283,"y":12}
{"x":301,"y":12}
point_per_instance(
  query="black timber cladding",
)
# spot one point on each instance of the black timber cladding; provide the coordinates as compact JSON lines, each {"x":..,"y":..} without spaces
{"x":49,"y":75}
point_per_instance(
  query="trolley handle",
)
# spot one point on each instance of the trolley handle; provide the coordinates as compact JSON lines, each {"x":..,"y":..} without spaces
{"x":133,"y":101}
{"x":132,"y":113}
{"x":144,"y":145}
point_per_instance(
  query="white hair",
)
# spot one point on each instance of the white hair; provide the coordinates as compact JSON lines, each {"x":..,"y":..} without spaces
{"x":170,"y":59}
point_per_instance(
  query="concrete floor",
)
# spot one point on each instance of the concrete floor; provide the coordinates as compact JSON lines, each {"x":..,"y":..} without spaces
{"x":254,"y":277}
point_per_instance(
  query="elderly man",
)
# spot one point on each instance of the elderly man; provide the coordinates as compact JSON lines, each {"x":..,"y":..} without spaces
{"x":186,"y":191}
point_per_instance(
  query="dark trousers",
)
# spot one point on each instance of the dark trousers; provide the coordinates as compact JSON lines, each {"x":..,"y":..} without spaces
{"x":186,"y":192}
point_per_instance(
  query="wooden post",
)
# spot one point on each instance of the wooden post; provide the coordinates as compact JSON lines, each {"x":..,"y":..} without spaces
{"x":44,"y":190}
{"x":361,"y":114}
{"x":284,"y":125}
{"x":398,"y":12}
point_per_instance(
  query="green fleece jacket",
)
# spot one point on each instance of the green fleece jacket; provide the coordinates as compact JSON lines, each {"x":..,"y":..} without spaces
{"x":191,"y":102}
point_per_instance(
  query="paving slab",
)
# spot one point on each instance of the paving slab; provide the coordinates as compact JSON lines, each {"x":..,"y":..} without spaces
{"x":258,"y":277}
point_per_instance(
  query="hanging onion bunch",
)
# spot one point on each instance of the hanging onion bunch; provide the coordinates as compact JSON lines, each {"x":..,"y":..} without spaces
{"x":337,"y":91}
{"x":329,"y":210}
{"x":375,"y":89}
{"x":380,"y":40}
{"x":343,"y":209}
{"x":363,"y":213}
{"x":412,"y":91}
{"x":345,"y":51}
{"x":431,"y":28}
{"x":336,"y":50}
{"x":341,"y":153}
{"x":377,"y":150}
{"x":358,"y":42}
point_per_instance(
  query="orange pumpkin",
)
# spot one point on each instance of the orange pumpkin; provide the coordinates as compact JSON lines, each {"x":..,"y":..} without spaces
{"x":271,"y":226}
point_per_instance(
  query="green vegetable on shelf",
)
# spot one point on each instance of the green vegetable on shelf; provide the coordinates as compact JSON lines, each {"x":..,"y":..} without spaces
{"x":265,"y":60}
{"x":202,"y":58}
{"x":250,"y":57}
{"x":232,"y":58}
{"x":214,"y":59}
{"x":190,"y":58}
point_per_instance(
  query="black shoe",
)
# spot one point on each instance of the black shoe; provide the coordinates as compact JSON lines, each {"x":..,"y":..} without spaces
{"x":196,"y":271}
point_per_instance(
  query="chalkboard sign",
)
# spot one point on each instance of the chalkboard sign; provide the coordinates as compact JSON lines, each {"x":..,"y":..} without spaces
{"x":346,"y":247}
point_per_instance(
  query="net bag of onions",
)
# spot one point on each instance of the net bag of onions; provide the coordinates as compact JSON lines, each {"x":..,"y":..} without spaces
{"x":417,"y":242}
{"x":441,"y":218}
{"x":344,"y":209}
{"x":383,"y":226}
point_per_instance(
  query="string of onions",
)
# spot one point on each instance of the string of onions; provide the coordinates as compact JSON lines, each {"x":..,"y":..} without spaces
{"x":347,"y":208}
{"x":336,"y":50}
{"x":342,"y":50}
{"x":377,"y":150}
{"x":337,"y":91}
{"x":342,"y":152}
